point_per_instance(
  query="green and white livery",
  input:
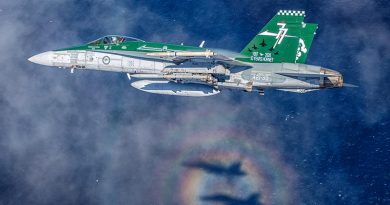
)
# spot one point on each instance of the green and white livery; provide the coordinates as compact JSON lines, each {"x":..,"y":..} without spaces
{"x":275,"y":58}
{"x":285,"y":39}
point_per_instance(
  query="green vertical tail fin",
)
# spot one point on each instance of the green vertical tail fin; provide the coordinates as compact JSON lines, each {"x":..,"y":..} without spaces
{"x":286,"y":38}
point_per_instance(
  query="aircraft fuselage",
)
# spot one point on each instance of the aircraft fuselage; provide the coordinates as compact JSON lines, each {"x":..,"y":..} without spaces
{"x":275,"y":58}
{"x":247,"y":77}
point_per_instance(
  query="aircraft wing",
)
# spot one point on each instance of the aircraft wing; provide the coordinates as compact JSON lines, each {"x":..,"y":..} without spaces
{"x":224,"y":58}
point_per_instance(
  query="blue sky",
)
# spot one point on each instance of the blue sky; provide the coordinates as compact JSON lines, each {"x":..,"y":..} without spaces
{"x":89,"y":138}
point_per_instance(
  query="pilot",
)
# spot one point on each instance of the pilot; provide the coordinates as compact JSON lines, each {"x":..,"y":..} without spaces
{"x":114,"y":39}
{"x":121,"y":40}
{"x":106,"y":40}
{"x":117,"y":40}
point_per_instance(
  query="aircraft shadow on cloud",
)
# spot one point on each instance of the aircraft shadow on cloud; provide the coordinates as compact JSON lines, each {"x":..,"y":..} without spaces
{"x":229,"y":171}
{"x":217,"y":169}
{"x":229,"y":200}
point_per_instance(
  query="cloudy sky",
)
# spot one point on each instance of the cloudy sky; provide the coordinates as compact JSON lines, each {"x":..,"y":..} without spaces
{"x":90,"y":138}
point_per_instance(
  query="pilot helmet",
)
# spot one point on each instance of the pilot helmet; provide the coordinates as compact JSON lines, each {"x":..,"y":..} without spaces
{"x":114,"y":39}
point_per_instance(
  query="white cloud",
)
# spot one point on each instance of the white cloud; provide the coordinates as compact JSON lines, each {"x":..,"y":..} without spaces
{"x":62,"y":132}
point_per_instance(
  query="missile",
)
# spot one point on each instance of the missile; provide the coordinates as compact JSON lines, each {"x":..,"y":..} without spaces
{"x":190,"y":76}
{"x":248,"y":86}
{"x":183,"y":54}
{"x":219,"y":69}
{"x":182,"y":76}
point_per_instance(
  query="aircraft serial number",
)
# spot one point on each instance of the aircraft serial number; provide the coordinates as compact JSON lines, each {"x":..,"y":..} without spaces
{"x":259,"y":76}
{"x":262,"y":59}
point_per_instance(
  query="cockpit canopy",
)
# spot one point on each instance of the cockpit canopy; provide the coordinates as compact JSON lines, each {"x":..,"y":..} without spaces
{"x":113,"y":39}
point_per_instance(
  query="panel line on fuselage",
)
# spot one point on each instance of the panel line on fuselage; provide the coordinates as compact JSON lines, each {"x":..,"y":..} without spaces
{"x":133,"y":56}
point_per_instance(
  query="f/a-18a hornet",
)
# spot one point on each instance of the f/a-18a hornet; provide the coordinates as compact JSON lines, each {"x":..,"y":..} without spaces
{"x":274,"y":59}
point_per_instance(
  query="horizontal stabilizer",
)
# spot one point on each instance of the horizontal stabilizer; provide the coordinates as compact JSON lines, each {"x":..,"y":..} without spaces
{"x":350,"y":85}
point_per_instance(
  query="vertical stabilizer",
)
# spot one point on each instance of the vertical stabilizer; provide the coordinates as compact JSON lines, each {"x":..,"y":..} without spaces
{"x":285,"y":38}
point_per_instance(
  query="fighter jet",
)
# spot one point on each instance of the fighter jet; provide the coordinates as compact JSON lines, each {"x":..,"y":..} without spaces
{"x":228,"y":200}
{"x":274,"y":59}
{"x":217,"y":169}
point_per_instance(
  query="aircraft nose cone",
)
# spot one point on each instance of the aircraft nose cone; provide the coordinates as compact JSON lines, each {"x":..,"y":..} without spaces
{"x":45,"y":58}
